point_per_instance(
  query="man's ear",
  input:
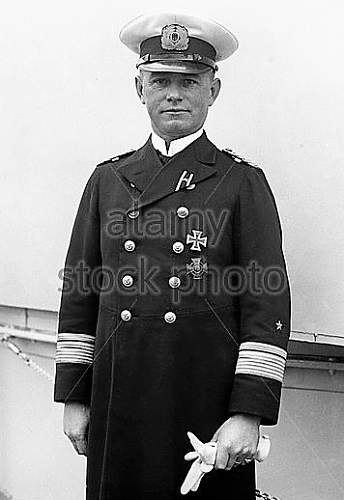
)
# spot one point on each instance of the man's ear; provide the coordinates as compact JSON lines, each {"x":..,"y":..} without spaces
{"x":214,"y":90}
{"x":139,"y":88}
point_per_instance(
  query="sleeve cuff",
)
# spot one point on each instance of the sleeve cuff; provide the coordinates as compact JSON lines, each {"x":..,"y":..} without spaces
{"x":73,"y":382}
{"x":257,"y":396}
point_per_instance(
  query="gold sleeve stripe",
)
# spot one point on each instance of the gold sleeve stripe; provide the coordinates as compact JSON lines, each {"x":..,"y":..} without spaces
{"x":262,"y":360}
{"x":75,"y":348}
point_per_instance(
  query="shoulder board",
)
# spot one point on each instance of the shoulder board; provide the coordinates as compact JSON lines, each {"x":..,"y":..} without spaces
{"x":116,"y":158}
{"x":238,"y":158}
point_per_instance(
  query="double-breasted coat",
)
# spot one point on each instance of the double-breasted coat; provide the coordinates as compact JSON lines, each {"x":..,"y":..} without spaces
{"x":175,"y":314}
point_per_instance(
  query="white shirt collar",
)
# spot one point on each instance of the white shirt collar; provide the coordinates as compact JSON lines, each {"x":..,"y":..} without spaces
{"x":176,"y":145}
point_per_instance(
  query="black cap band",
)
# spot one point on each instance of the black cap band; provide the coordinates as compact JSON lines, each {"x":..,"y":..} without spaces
{"x":198,"y":51}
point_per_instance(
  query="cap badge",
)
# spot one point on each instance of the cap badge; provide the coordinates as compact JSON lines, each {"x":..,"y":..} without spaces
{"x":174,"y":37}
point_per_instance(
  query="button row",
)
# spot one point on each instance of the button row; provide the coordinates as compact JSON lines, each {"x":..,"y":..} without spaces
{"x":128,"y":281}
{"x":182,"y":212}
{"x":130,"y":246}
{"x":169,"y":317}
{"x":174,"y":281}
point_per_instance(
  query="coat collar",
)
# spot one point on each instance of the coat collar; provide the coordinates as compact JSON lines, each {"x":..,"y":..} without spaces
{"x":155,"y":181}
{"x":176,"y":145}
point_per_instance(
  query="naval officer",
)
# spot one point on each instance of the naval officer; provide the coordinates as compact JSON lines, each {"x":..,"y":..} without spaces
{"x":202,"y":347}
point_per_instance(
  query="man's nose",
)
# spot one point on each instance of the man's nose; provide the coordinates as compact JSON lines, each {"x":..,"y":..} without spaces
{"x":174,"y":92}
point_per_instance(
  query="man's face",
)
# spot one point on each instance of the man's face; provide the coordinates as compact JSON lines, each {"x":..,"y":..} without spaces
{"x":177,"y":103}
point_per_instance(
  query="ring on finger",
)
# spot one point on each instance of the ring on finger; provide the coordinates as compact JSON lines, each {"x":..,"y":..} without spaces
{"x":238,"y":461}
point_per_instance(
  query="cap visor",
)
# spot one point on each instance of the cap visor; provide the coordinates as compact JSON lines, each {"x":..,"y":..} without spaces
{"x":174,"y":67}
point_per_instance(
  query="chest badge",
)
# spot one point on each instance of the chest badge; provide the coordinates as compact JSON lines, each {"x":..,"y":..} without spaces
{"x":185,"y":178}
{"x":196,"y":239}
{"x":197,"y":268}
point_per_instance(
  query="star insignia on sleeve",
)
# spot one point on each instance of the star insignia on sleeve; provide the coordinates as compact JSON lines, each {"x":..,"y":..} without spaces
{"x":279,"y":325}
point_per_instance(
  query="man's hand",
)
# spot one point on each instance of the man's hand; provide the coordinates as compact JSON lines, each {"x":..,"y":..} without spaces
{"x":237,"y":441}
{"x":75,"y":425}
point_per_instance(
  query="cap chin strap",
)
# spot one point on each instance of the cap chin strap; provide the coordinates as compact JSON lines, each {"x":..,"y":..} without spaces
{"x":193,"y":58}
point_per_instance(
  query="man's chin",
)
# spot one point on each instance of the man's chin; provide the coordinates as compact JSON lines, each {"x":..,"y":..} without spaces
{"x":176,"y":130}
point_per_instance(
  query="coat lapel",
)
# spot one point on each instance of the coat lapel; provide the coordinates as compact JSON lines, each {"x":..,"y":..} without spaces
{"x":156,"y":181}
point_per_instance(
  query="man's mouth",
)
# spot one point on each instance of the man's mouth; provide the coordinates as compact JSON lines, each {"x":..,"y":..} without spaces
{"x":175,"y":110}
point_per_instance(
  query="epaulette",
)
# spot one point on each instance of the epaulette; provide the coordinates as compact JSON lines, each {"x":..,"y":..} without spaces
{"x":116,"y":158}
{"x":238,"y":158}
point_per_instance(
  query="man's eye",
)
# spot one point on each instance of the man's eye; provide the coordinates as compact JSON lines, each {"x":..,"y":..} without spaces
{"x":159,"y":81}
{"x":189,"y":82}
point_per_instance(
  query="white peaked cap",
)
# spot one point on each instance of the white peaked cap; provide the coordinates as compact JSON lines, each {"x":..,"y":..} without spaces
{"x":170,"y":40}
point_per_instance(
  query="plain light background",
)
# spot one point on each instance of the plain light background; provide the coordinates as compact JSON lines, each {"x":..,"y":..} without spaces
{"x":68,"y":102}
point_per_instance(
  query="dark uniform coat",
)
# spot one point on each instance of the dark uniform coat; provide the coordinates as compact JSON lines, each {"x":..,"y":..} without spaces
{"x":163,"y":325}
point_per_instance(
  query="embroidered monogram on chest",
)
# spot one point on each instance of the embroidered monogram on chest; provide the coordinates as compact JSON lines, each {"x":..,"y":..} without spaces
{"x":185,"y":179}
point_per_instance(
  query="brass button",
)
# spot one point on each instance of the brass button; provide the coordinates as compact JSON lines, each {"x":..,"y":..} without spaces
{"x":127,"y":280}
{"x":133,"y":214}
{"x":178,"y":247}
{"x":174,"y":282}
{"x":126,"y":315}
{"x":129,"y":245}
{"x":182,"y":212}
{"x":170,"y":317}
